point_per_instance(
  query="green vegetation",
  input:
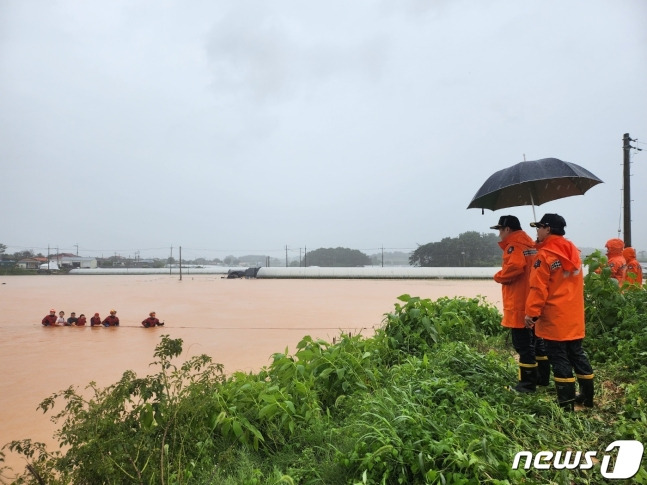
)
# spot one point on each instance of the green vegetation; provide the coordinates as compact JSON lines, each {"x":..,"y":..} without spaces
{"x":424,"y":400}
{"x":468,"y":249}
{"x":337,"y":257}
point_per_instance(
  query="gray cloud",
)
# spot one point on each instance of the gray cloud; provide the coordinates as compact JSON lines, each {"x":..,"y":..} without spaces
{"x":248,"y":125}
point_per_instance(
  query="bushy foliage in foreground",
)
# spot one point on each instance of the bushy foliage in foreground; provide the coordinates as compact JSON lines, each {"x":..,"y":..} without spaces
{"x":424,"y":400}
{"x":616,"y":317}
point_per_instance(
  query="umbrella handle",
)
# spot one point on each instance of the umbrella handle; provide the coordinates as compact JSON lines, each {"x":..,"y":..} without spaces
{"x":532,"y":201}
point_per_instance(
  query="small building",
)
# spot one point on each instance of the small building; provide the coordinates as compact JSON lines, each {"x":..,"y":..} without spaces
{"x":71,"y":261}
{"x":31,"y":263}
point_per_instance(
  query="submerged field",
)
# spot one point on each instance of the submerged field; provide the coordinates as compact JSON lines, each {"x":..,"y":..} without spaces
{"x":423,"y":400}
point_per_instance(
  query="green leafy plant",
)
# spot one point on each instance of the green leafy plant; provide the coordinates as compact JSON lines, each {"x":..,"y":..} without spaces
{"x":415,"y":327}
{"x":615,"y":317}
{"x":132,"y":431}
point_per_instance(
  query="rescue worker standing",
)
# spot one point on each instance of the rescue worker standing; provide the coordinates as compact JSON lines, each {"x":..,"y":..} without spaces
{"x":152,"y":321}
{"x":555,"y":308}
{"x":617,"y":261}
{"x":50,"y":320}
{"x":518,"y":255}
{"x":111,"y":320}
{"x":634,"y":275}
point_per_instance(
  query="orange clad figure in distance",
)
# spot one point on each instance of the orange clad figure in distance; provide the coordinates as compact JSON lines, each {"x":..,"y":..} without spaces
{"x":617,"y":261}
{"x":634,"y":273}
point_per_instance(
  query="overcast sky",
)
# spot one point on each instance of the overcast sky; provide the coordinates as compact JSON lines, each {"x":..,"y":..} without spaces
{"x":241,"y":127}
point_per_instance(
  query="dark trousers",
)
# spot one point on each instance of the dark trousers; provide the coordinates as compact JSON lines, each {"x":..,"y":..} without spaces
{"x":564,"y":356}
{"x":527,"y":345}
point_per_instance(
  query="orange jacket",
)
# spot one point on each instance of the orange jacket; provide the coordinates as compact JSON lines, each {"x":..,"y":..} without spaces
{"x":557,"y":290}
{"x":518,"y":255}
{"x":617,"y":262}
{"x":634,"y":274}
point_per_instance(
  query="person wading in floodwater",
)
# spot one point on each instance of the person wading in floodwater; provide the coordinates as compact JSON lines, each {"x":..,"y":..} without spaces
{"x":111,"y":320}
{"x":152,"y":321}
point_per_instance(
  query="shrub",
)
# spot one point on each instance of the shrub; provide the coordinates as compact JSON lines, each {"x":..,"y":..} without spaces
{"x":415,"y":327}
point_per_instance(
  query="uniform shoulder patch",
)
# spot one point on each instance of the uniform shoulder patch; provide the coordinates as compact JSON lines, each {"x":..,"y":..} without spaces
{"x":510,"y":249}
{"x":537,"y":264}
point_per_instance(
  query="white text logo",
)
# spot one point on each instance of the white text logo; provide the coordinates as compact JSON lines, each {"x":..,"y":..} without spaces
{"x":626,"y":464}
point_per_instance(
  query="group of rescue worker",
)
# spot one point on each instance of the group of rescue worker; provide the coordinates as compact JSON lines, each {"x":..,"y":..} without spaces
{"x":111,"y":320}
{"x":543,"y":304}
{"x":623,"y":263}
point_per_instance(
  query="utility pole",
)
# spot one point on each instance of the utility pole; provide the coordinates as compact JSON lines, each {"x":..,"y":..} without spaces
{"x":626,"y":147}
{"x":286,"y":255}
{"x":626,"y":172}
{"x":180,"y":263}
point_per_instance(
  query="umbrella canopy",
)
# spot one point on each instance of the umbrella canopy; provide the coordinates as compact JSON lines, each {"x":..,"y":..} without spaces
{"x":533,"y":183}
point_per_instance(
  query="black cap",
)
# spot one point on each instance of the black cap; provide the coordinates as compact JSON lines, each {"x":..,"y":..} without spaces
{"x":554,"y":221}
{"x":508,"y":221}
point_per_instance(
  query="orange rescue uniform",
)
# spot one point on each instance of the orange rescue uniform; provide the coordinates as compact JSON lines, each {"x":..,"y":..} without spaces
{"x":518,"y":255}
{"x":617,"y":261}
{"x":556,"y":290}
{"x":634,"y":275}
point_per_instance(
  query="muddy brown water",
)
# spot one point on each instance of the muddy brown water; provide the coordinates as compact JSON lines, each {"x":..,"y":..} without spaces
{"x":239,"y":323}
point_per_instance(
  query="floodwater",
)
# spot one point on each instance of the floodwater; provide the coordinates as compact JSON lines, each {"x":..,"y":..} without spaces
{"x":240,"y":323}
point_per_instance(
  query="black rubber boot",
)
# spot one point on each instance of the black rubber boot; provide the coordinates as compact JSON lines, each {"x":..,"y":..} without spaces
{"x":543,"y":371}
{"x":527,"y":378}
{"x":587,"y":390}
{"x":565,"y":393}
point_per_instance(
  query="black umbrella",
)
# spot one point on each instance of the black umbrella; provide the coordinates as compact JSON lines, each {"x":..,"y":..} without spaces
{"x":533,"y":183}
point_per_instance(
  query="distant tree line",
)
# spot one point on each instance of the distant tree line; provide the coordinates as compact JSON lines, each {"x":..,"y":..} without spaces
{"x":337,"y":257}
{"x":18,"y":255}
{"x":468,"y":249}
